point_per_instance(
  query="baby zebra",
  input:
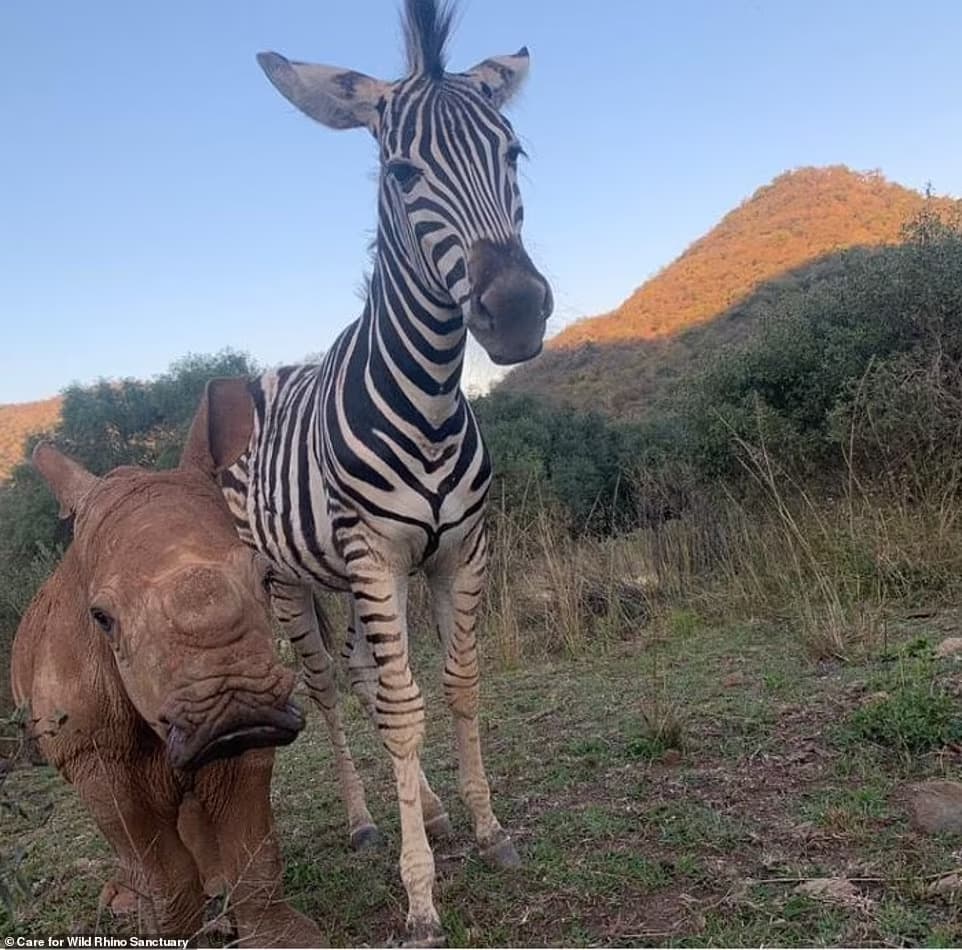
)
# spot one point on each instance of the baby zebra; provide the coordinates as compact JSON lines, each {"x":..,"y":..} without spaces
{"x":146,"y":665}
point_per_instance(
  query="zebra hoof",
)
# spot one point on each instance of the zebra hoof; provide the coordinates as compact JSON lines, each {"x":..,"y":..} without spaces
{"x":439,"y":827}
{"x":424,"y":934}
{"x":501,"y":853}
{"x":366,"y":838}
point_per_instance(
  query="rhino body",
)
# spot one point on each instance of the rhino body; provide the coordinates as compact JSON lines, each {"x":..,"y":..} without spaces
{"x":147,"y":669}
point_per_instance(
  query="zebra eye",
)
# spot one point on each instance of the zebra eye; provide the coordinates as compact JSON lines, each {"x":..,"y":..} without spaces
{"x":103,"y":620}
{"x":404,"y":173}
{"x":514,"y":153}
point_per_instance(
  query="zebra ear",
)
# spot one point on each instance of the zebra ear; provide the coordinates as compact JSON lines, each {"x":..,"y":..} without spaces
{"x":500,"y":77}
{"x":337,"y":98}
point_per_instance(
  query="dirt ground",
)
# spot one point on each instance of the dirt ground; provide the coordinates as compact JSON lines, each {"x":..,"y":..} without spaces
{"x":682,"y":789}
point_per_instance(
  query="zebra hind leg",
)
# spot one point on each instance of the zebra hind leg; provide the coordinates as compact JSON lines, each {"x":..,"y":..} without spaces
{"x":457,"y":599}
{"x":297,"y":612}
{"x":363,"y":673}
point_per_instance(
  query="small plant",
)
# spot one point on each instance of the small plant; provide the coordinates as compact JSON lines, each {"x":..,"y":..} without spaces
{"x":846,"y":810}
{"x":661,"y":722}
{"x":916,"y":718}
{"x":682,"y":623}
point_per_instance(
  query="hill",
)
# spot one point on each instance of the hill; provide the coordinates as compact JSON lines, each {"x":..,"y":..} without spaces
{"x":17,"y":421}
{"x":614,"y":361}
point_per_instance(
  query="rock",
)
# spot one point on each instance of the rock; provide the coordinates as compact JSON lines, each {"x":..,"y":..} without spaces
{"x":733,"y":679}
{"x":950,"y":646}
{"x":936,"y":806}
{"x":948,"y":885}
{"x":833,"y":890}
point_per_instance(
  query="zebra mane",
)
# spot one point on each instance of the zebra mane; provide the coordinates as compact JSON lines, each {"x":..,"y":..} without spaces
{"x":427,"y":25}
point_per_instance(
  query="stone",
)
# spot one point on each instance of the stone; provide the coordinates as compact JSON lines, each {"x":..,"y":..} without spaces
{"x":936,"y":806}
{"x":948,"y":885}
{"x":950,"y":646}
{"x":833,"y":890}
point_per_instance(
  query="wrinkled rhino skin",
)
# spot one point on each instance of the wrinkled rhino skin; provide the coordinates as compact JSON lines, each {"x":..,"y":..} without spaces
{"x":104,"y":709}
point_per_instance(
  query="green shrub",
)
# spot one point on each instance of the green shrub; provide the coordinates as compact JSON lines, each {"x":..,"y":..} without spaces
{"x":573,"y":462}
{"x":916,"y":717}
{"x":865,"y":359}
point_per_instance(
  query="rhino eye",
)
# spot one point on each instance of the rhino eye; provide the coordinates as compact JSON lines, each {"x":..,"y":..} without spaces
{"x":103,"y":620}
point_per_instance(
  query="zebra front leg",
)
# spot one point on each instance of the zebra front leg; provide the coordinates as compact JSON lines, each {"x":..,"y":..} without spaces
{"x":293,"y":605}
{"x":363,"y":675}
{"x":398,"y":710}
{"x":457,"y":599}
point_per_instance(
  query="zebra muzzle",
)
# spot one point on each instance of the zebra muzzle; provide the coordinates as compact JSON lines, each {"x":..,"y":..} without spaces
{"x":510,"y":303}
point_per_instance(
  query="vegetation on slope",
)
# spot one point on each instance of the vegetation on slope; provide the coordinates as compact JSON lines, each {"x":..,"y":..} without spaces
{"x":615,"y":362}
{"x":17,"y":421}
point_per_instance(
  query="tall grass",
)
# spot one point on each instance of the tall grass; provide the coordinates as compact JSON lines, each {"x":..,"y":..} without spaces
{"x":552,"y":591}
{"x":829,"y":560}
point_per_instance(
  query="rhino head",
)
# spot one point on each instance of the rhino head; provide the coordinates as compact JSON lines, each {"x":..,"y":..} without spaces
{"x":181,"y":600}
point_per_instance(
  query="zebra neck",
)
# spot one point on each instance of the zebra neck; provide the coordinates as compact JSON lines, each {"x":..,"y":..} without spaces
{"x":416,"y":339}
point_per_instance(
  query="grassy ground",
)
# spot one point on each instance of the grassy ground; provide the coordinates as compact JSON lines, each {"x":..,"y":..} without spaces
{"x":625,"y":840}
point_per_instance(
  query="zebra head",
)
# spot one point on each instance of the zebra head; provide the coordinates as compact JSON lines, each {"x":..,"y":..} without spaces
{"x":449,"y":206}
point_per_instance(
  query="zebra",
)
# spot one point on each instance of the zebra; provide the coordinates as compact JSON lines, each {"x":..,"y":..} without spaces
{"x":370,"y":465}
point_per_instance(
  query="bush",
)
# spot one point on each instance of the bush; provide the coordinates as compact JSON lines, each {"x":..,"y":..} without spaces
{"x":866,"y":357}
{"x":915,"y":719}
{"x":577,"y":464}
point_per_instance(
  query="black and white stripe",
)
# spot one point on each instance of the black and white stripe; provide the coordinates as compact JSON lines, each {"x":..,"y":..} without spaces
{"x":371,"y":465}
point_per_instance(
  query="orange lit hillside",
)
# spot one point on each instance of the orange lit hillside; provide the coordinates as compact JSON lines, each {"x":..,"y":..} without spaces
{"x":17,"y":421}
{"x":786,"y":234}
{"x":800,"y":216}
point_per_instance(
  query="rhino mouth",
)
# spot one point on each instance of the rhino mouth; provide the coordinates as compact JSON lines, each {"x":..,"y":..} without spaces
{"x":274,"y":727}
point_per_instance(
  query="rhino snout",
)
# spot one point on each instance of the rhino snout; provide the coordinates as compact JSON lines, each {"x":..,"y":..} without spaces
{"x":255,"y":728}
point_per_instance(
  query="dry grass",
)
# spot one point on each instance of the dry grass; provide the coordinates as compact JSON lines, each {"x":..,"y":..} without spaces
{"x":832,"y":570}
{"x":551,"y":593}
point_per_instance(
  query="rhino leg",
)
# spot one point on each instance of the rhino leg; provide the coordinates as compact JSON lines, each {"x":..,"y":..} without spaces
{"x":235,"y":794}
{"x":135,"y":807}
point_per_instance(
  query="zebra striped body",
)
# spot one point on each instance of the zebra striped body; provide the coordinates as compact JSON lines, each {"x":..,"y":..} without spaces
{"x":421,"y":491}
{"x":371,"y":465}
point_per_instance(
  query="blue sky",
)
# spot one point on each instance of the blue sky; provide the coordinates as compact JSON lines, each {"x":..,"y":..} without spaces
{"x":159,"y":197}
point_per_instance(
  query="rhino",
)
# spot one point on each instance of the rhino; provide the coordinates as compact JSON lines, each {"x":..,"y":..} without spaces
{"x":146,"y":670}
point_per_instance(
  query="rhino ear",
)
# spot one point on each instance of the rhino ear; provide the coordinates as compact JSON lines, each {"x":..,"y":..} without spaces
{"x":69,"y":481}
{"x":222,"y":426}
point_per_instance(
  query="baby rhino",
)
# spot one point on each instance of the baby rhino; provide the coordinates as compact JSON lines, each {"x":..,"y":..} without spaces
{"x":146,"y":665}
